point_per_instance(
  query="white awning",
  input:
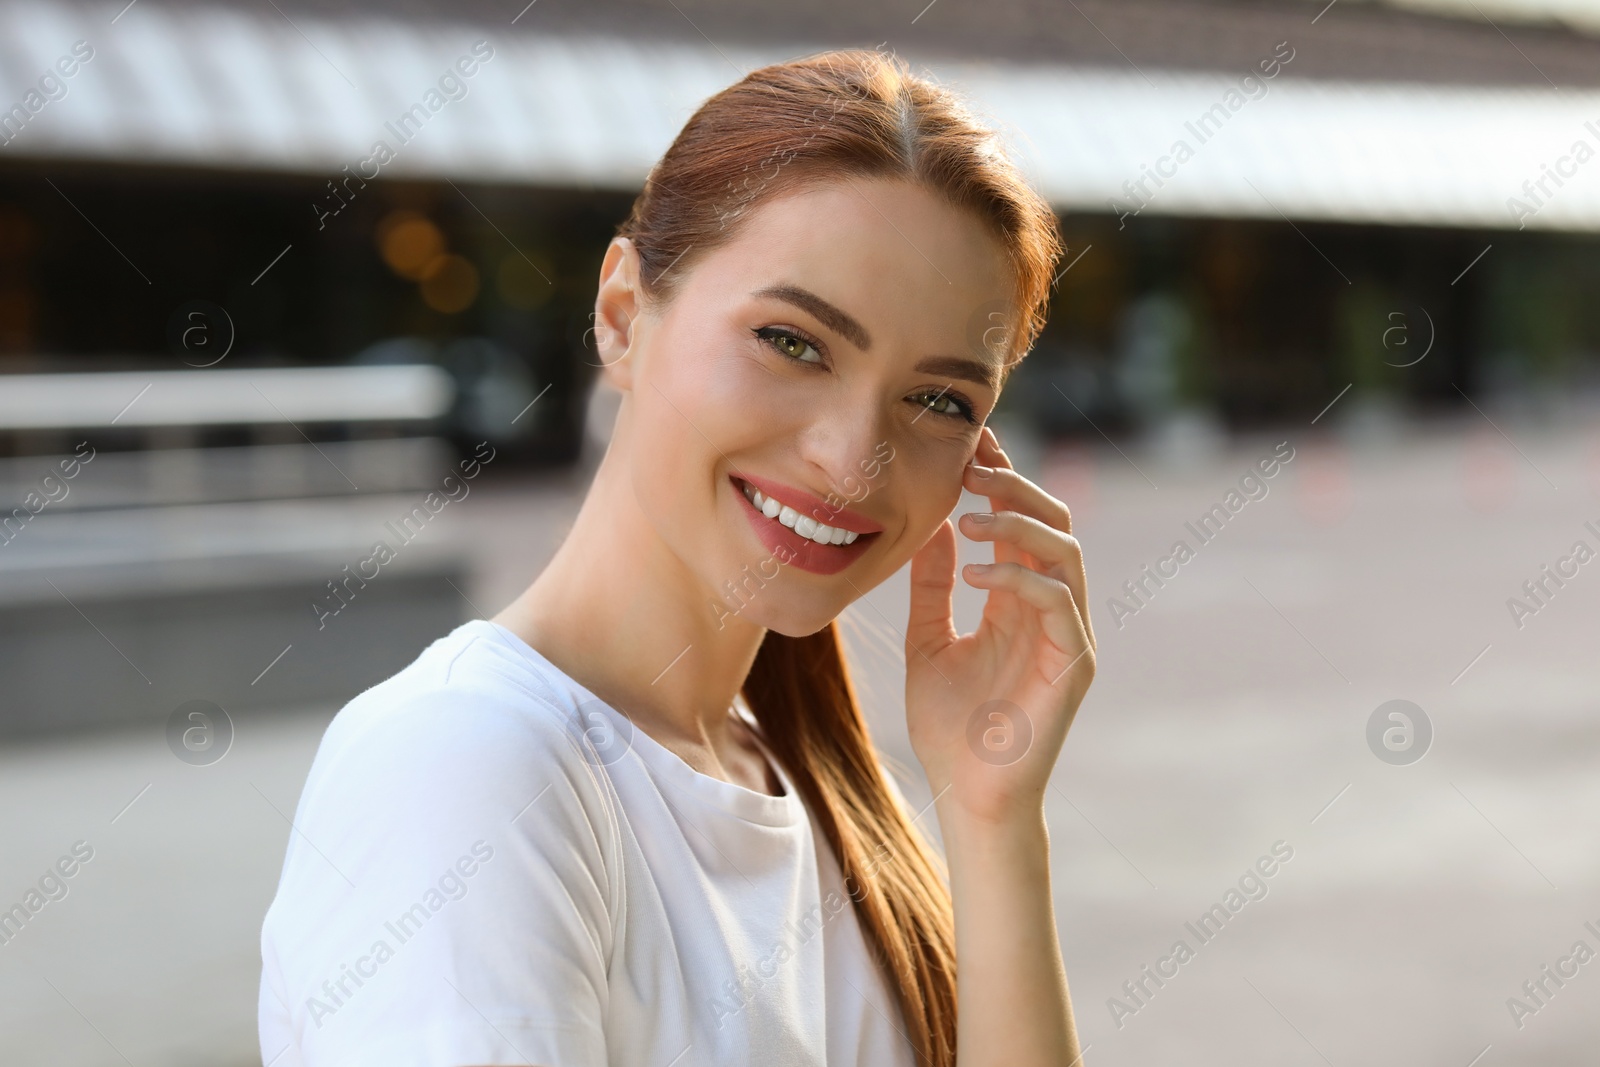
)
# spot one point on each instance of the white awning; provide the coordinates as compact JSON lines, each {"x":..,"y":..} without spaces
{"x":222,"y":88}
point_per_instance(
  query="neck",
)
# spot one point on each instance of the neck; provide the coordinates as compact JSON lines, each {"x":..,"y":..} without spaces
{"x":622,"y":614}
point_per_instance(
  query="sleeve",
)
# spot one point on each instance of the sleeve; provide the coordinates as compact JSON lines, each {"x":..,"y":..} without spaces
{"x":448,"y":893}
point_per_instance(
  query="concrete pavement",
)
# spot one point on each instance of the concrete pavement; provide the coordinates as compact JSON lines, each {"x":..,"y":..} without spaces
{"x":1229,"y":714}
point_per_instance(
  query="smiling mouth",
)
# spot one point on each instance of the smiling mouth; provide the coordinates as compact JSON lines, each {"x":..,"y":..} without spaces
{"x":798,"y":538}
{"x":804,"y":525}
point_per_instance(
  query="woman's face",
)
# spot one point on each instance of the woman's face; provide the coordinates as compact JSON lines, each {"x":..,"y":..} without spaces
{"x":833,"y":356}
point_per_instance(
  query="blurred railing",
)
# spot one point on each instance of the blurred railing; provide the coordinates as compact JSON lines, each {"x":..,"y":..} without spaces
{"x":132,"y":581}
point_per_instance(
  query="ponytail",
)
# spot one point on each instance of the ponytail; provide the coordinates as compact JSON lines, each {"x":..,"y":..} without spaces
{"x":800,"y":692}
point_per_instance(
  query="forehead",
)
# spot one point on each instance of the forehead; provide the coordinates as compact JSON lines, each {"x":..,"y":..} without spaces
{"x":918,"y":272}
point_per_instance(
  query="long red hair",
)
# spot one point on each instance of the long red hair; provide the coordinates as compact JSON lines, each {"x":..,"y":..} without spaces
{"x":842,"y":114}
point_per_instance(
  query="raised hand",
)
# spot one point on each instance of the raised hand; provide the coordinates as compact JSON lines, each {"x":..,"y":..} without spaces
{"x":988,"y":711}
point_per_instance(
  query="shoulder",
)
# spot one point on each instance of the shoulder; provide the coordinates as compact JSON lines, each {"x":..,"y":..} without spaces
{"x":456,"y":747}
{"x":451,"y":813}
{"x":464,"y":707}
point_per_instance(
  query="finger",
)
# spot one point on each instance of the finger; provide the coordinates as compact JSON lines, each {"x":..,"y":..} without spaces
{"x":990,"y":456}
{"x":989,"y":451}
{"x":1060,"y":553}
{"x":931,"y":623}
{"x":1058,"y":612}
{"x":1008,"y":490}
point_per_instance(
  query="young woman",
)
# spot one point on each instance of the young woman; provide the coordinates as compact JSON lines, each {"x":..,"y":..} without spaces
{"x":636,"y":818}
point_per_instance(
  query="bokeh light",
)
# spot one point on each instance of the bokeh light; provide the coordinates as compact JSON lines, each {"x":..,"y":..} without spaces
{"x":449,"y":284}
{"x":410,"y":243}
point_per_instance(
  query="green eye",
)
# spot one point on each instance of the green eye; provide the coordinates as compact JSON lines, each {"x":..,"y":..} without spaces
{"x":789,"y":344}
{"x":944,"y":402}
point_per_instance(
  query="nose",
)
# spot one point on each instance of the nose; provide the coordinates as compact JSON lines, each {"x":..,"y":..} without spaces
{"x":844,"y":447}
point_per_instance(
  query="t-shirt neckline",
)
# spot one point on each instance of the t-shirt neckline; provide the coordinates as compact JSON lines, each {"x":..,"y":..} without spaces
{"x":736,"y":800}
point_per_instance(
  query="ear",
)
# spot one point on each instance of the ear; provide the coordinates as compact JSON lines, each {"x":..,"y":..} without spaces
{"x":617,"y":303}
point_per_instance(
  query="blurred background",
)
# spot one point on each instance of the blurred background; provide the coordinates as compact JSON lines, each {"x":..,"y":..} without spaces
{"x":240,"y":343}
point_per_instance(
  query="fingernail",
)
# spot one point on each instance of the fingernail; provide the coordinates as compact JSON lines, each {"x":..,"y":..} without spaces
{"x":979,"y":568}
{"x":981,"y":516}
{"x":981,"y":471}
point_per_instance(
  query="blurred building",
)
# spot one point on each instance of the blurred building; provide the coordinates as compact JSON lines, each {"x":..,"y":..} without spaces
{"x":1268,"y":204}
{"x":1337,"y":163}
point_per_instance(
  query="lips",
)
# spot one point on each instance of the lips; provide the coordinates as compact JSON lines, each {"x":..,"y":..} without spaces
{"x":789,"y":546}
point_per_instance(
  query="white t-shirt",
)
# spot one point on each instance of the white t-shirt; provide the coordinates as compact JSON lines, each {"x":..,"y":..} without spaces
{"x":491,"y":866}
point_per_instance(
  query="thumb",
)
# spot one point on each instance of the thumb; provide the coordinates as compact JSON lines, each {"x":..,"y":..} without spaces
{"x":931,"y":625}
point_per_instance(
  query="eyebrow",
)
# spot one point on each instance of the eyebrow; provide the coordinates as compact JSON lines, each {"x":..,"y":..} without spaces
{"x":835,"y":318}
{"x":850,"y":328}
{"x":970,"y":370}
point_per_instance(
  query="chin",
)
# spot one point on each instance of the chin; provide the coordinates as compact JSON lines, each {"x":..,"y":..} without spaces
{"x":773,"y":610}
{"x":801,"y":626}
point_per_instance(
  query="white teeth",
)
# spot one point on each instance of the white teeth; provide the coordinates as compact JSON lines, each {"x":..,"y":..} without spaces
{"x":803,"y":525}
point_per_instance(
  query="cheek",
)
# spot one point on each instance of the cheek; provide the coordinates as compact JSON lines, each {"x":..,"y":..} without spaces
{"x":733,"y":408}
{"x":927,"y":476}
{"x":698,"y":406}
{"x":935,"y":461}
